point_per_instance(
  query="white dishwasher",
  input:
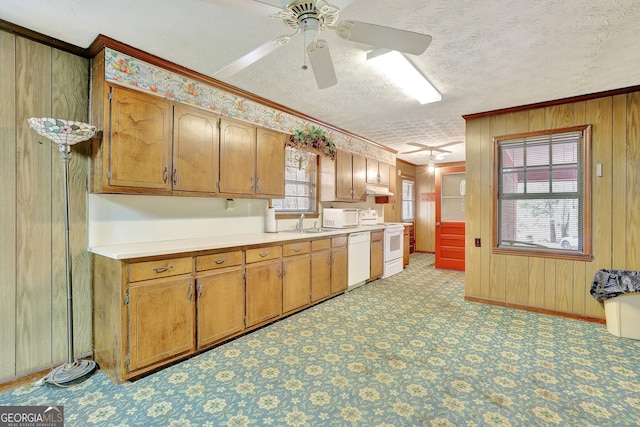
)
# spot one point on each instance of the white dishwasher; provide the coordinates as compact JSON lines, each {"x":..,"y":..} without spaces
{"x":359,"y":250}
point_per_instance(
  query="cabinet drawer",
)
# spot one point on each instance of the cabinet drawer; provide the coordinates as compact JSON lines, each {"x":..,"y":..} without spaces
{"x":161,"y":268}
{"x":318,"y":245}
{"x":376,"y":235}
{"x":221,"y":260}
{"x":263,"y":254}
{"x":337,"y":242}
{"x":291,"y":249}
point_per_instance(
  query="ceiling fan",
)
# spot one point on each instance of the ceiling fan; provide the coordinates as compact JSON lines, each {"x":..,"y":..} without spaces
{"x":311,"y":17}
{"x":439,"y":148}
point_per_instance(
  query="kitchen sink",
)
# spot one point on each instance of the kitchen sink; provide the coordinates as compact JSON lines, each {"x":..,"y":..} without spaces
{"x":312,"y":230}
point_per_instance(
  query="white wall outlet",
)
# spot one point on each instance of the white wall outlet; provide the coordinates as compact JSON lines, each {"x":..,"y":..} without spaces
{"x":231,"y":204}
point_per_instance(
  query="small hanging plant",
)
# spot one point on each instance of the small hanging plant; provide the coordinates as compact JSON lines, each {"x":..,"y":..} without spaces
{"x":315,"y":139}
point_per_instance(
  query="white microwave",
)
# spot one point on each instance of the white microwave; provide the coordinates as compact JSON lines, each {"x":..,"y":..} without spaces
{"x":340,"y":218}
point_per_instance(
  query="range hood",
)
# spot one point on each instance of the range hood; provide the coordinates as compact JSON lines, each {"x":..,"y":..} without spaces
{"x":376,"y":190}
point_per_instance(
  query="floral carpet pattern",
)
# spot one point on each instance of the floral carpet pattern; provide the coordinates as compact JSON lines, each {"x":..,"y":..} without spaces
{"x":402,"y":351}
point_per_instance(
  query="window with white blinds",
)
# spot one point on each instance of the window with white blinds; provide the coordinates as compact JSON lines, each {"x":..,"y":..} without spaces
{"x":544,"y":191}
{"x":408,"y":200}
{"x":301,"y":174}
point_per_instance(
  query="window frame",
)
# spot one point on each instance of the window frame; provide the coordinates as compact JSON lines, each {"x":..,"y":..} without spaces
{"x":413,"y":200}
{"x":308,"y":214}
{"x":584,"y":157}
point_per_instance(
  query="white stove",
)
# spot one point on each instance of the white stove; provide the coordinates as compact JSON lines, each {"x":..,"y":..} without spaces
{"x":393,"y":248}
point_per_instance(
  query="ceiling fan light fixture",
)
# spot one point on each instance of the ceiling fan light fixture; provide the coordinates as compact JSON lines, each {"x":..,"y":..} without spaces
{"x":404,"y":74}
{"x":310,"y":27}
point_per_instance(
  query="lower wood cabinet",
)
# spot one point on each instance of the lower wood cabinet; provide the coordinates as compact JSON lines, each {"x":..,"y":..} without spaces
{"x":320,"y":269}
{"x":339,"y":265}
{"x":220,"y":305}
{"x":151,"y":312}
{"x":161,"y":320}
{"x":296,"y":276}
{"x":376,"y":269}
{"x":263,"y":292}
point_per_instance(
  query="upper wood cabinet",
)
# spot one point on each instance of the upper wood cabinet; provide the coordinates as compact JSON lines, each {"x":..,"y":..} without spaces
{"x":151,"y":145}
{"x":343,"y":179}
{"x":251,"y":160}
{"x":195,"y":150}
{"x":138,"y":135}
{"x":238,"y":157}
{"x":270,"y":162}
{"x":154,"y":146}
{"x":377,"y":173}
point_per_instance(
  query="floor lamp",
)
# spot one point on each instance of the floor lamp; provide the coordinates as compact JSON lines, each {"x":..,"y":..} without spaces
{"x":66,"y":133}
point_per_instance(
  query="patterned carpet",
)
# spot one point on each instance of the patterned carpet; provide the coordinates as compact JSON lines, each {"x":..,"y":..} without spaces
{"x":405,"y":351}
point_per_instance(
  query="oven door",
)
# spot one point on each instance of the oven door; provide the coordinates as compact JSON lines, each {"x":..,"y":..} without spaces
{"x":393,"y":243}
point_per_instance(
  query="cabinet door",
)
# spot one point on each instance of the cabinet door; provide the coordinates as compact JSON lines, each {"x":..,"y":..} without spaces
{"x":344,"y":175}
{"x":339,"y":278}
{"x":270,"y":163}
{"x":296,"y":286}
{"x":377,"y":256}
{"x":140,"y":140}
{"x":359,"y":177}
{"x":372,"y":171}
{"x":263,"y":292}
{"x":384,"y":171}
{"x":195,"y":150}
{"x":161,"y":318}
{"x":220,"y":305}
{"x":320,"y":275}
{"x":237,"y":157}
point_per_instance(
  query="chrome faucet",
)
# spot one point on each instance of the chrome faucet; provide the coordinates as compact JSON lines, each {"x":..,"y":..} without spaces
{"x":301,"y":222}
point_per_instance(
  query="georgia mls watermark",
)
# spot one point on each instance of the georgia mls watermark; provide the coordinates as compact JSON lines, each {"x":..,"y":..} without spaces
{"x":31,"y":416}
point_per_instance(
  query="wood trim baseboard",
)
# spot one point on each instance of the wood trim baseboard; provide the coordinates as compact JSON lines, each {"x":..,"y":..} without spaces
{"x":32,"y":376}
{"x":539,"y":310}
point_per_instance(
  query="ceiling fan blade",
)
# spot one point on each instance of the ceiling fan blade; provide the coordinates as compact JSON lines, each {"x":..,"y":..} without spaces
{"x":321,"y":64}
{"x":440,"y":150}
{"x":450,"y":143}
{"x":414,"y":151}
{"x":251,"y":57}
{"x":386,"y":37}
{"x":252,"y":6}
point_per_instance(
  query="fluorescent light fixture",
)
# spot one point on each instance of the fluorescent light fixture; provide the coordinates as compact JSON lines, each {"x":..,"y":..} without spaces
{"x":404,"y":74}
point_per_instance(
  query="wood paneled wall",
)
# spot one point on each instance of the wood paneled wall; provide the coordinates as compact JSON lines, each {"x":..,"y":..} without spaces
{"x":557,"y":284}
{"x":40,"y":81}
{"x":425,"y":210}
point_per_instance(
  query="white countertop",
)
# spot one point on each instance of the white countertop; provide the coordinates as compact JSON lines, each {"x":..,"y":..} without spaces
{"x":169,"y":247}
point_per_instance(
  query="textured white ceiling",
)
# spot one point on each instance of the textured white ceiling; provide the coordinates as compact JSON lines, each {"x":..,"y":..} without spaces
{"x":485,"y":55}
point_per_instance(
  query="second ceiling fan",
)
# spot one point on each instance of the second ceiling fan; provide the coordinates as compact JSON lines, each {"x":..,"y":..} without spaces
{"x":311,"y":17}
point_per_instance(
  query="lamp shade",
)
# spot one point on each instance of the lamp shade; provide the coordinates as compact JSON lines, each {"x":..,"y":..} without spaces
{"x":62,"y":132}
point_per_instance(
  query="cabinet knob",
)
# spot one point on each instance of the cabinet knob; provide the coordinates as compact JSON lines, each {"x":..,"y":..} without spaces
{"x":162,"y":269}
{"x":165,"y":174}
{"x":175,"y":176}
{"x":220,"y":260}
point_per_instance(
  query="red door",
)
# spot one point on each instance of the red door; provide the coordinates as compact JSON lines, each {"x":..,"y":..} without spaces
{"x":450,"y":217}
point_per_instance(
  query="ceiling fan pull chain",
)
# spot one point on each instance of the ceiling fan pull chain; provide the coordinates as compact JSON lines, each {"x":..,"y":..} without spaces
{"x":304,"y":51}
